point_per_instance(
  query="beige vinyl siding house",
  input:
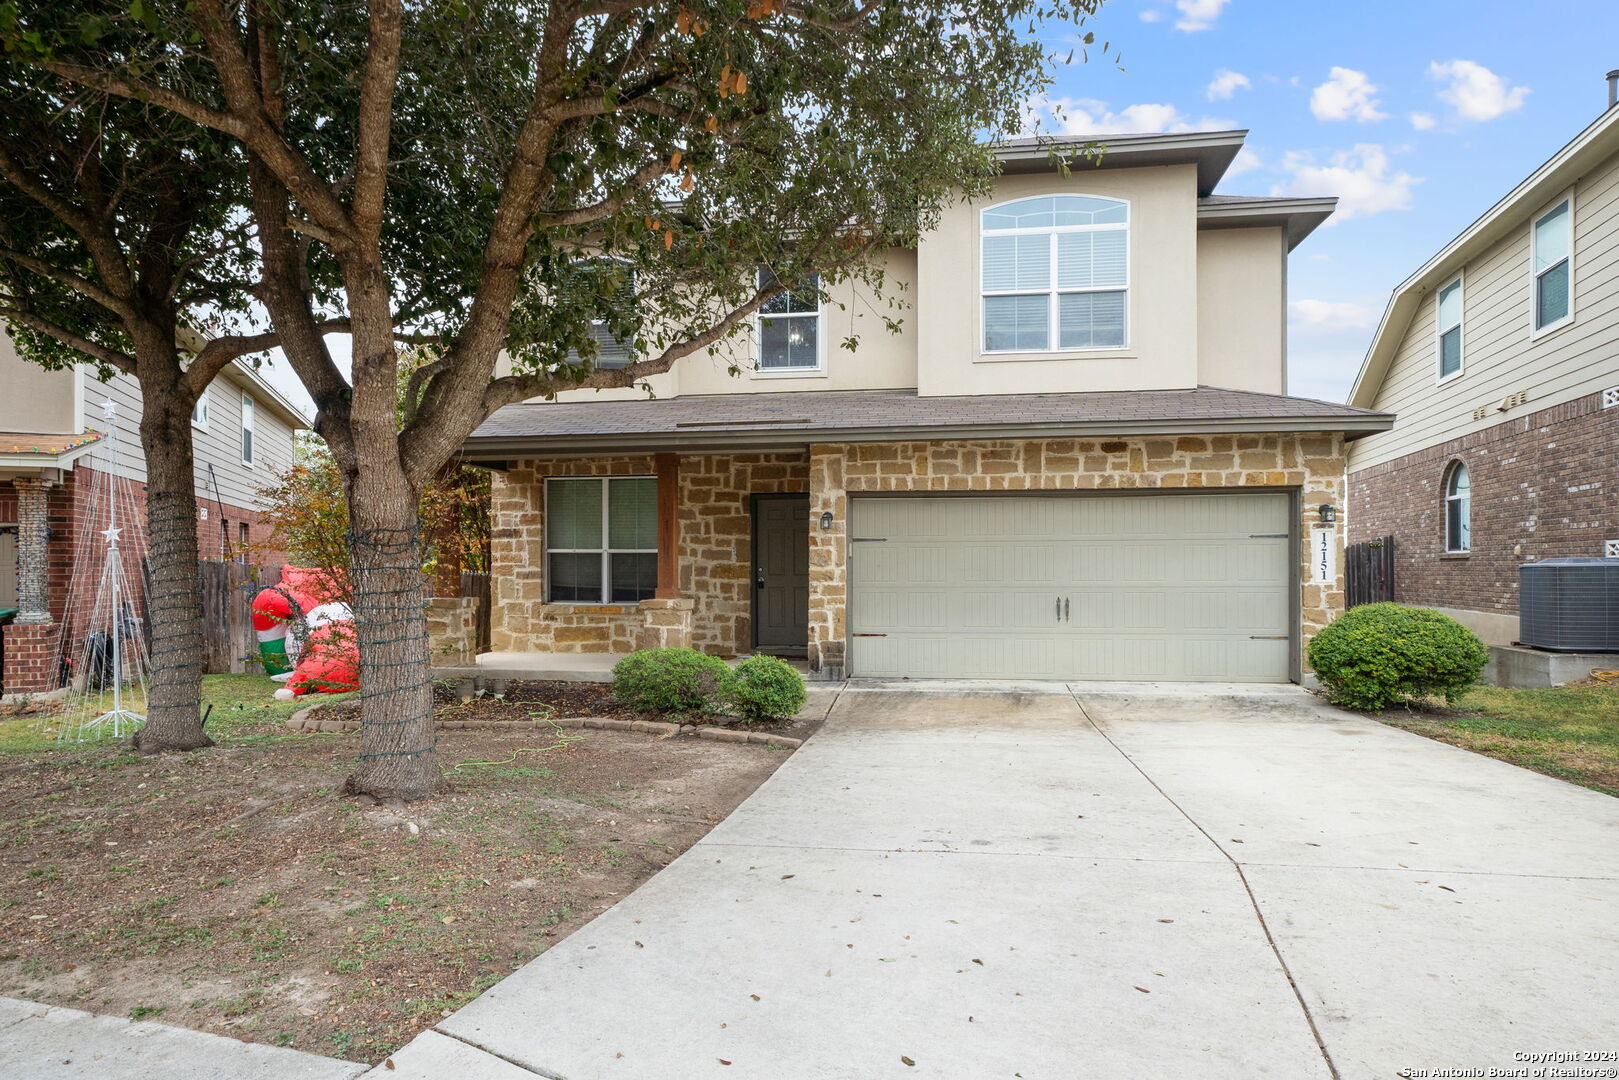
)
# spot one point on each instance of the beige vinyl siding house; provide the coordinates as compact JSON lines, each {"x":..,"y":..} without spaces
{"x":1076,"y":460}
{"x":1528,"y":414}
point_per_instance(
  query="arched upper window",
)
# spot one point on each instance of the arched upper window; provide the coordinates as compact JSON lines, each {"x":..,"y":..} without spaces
{"x":1458,"y":509}
{"x":1055,"y":273}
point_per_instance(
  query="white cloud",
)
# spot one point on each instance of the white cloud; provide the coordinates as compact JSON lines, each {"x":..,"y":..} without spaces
{"x":1225,"y":83}
{"x":1476,"y":92}
{"x":1329,"y":316}
{"x":1152,"y":15}
{"x":1361,"y":179}
{"x":1087,"y":116}
{"x":1246,"y":161}
{"x":1320,"y":256}
{"x":1198,"y":14}
{"x":1346,"y":95}
{"x":1422,"y":121}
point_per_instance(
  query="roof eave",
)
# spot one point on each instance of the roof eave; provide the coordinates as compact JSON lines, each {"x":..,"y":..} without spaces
{"x":1211,"y":151}
{"x":284,"y":410}
{"x":503,"y":448}
{"x":1297,"y":218}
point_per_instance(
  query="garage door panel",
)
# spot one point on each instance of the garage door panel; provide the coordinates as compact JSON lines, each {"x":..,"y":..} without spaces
{"x":1156,"y":587}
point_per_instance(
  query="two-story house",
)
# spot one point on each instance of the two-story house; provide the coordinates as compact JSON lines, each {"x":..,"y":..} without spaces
{"x":1501,"y":356}
{"x":56,"y":452}
{"x":1077,"y":459}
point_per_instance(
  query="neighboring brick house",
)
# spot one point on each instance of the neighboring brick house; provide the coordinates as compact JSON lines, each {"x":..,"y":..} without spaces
{"x":55,"y":457}
{"x":1076,"y":459}
{"x":1500,"y":356}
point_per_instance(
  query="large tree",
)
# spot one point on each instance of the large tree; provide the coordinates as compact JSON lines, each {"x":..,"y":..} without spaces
{"x":124,"y":248}
{"x":492,"y":178}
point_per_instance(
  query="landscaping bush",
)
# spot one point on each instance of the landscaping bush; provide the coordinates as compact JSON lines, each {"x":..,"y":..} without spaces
{"x":764,"y":688}
{"x":669,"y":680}
{"x":1378,"y":654}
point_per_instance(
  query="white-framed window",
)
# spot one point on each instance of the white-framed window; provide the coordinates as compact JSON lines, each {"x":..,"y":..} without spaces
{"x":789,"y":327}
{"x":1552,"y":263}
{"x":1458,"y":509}
{"x":1055,"y":274}
{"x":619,"y":285}
{"x":199,"y":411}
{"x":247,"y":430}
{"x":601,"y":537}
{"x":1448,"y":326}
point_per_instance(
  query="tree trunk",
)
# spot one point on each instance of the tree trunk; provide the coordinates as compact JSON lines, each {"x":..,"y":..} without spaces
{"x":397,"y":759}
{"x":174,"y":695}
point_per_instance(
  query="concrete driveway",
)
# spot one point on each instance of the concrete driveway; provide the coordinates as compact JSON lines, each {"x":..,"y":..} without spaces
{"x":955,"y":880}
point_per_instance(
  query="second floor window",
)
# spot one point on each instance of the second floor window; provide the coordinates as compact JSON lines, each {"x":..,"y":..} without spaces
{"x":247,"y":430}
{"x":1450,"y":329}
{"x":790,"y":327}
{"x":199,"y":411}
{"x":1553,"y":246}
{"x":1055,"y":274}
{"x":617,"y":283}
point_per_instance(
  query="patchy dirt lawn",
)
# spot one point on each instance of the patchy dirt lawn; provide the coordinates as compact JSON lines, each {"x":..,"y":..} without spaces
{"x":229,"y":890}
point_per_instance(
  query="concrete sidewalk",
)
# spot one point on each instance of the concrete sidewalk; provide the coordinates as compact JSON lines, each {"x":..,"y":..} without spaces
{"x":1108,"y":881}
{"x":46,"y":1042}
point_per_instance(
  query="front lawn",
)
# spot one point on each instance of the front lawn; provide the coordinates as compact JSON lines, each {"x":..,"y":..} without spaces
{"x":231,"y":890}
{"x":1570,"y":732}
{"x":242,"y":705}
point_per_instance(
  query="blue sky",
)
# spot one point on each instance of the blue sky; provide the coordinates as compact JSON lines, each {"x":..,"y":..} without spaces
{"x":1418,"y":114}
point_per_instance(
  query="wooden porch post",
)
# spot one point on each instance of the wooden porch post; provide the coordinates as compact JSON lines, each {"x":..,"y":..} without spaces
{"x":668,"y":470}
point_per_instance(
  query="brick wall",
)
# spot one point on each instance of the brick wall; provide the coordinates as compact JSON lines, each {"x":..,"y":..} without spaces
{"x":1543,"y":486}
{"x":716,"y":532}
{"x":1312,"y":463}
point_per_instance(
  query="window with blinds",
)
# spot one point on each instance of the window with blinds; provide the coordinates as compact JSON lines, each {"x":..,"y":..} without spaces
{"x":616,"y":281}
{"x":1553,"y":265}
{"x":1449,"y":322}
{"x":1055,"y":274}
{"x":601,"y":538}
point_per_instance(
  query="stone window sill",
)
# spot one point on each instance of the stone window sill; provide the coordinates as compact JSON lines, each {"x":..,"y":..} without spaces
{"x":1456,"y":555}
{"x":582,"y":608}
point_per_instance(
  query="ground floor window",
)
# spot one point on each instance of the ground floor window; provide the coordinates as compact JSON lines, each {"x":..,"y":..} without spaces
{"x":1458,"y":509}
{"x":601,"y":539}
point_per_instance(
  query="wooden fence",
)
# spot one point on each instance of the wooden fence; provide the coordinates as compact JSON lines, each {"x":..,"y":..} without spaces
{"x":1369,"y":572}
{"x":478,"y":585}
{"x":228,"y":589}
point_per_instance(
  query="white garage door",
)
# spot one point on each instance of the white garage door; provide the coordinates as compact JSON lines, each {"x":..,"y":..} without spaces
{"x":1140,"y":587}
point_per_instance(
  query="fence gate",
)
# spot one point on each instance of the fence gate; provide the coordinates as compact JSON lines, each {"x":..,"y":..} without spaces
{"x":1370,"y":572}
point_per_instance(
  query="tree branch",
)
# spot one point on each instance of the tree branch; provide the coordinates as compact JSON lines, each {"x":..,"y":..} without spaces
{"x":81,"y":285}
{"x":377,"y":80}
{"x":112,"y":357}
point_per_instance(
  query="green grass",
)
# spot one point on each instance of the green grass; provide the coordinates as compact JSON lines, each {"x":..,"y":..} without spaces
{"x":1570,"y":732}
{"x":239,"y":702}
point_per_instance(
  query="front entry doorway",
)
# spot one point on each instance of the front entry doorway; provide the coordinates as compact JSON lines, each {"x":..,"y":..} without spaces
{"x":781,"y":573}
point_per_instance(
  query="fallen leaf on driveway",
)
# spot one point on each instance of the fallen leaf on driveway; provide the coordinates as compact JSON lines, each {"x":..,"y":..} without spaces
{"x":389,"y":1065}
{"x":722,"y":1061}
{"x":1447,"y":888}
{"x":906,"y":1060}
{"x":755,"y":997}
{"x":1143,"y":989}
{"x":784,"y":877}
{"x":1166,"y":920}
{"x":977,"y":961}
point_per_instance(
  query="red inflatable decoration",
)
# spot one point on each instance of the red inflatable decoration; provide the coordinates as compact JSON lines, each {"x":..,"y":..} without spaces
{"x":329,"y":658}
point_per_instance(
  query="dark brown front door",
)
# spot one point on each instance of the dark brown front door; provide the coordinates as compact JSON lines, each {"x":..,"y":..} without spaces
{"x":780,"y":572}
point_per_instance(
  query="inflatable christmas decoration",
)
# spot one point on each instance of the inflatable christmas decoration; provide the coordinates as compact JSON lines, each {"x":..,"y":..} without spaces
{"x":306,"y":634}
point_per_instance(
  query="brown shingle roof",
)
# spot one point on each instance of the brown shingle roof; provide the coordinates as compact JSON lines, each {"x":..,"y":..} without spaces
{"x":34,"y":444}
{"x":788,"y":419}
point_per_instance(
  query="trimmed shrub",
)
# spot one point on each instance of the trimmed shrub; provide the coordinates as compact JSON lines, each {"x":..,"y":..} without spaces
{"x":669,"y":680}
{"x":764,"y":688}
{"x":1378,"y":654}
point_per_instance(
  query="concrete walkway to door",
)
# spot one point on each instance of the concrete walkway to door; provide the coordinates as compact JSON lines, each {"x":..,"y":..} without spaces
{"x":975,"y":881}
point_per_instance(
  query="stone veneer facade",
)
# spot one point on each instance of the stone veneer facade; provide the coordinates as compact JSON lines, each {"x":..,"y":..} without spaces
{"x":716,"y":556}
{"x":716,"y":522}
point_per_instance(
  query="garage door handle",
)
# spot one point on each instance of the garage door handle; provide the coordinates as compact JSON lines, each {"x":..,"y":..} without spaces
{"x":1059,"y":609}
{"x":1269,"y":536}
{"x":871,"y":635}
{"x":1065,"y":609}
{"x":1267,"y":637}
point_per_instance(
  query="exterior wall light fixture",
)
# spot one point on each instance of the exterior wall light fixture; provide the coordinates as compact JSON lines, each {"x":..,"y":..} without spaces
{"x":1329,"y":513}
{"x":826,"y":519}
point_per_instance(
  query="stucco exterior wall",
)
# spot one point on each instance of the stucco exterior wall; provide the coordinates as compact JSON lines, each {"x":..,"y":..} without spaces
{"x":1314,"y":464}
{"x":1242,"y":309}
{"x":1161,"y":348}
{"x":35,"y":400}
